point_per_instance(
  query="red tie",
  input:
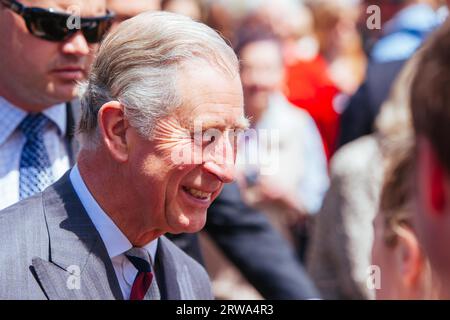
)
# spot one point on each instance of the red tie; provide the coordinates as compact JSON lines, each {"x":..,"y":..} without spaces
{"x":143,"y":278}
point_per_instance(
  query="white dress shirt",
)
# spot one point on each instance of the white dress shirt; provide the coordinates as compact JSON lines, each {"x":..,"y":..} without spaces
{"x":12,"y":141}
{"x":115,"y":241}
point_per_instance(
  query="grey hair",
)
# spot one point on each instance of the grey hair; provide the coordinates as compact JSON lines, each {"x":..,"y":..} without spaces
{"x":137,"y":65}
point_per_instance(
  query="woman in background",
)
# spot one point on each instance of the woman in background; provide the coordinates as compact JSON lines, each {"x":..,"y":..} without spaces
{"x":403,"y":266}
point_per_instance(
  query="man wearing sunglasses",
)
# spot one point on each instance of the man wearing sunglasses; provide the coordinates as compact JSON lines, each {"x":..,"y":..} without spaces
{"x":46,"y":47}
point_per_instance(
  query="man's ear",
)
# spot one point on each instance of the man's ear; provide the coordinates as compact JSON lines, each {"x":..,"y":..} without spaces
{"x":410,"y":258}
{"x":113,"y":127}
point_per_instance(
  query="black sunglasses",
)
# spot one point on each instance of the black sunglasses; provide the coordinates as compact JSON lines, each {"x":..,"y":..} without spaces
{"x":54,"y":26}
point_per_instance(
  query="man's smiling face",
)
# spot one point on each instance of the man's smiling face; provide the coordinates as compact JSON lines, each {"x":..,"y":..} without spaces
{"x":177,"y":195}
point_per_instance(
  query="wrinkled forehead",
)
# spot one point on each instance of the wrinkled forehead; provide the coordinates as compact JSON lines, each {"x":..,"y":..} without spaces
{"x":221,"y":111}
{"x":211,"y":96}
{"x":230,"y":117}
{"x":221,"y":117}
{"x":85,"y":7}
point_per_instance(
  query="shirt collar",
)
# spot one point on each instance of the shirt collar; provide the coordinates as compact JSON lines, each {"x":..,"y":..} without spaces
{"x":12,"y":116}
{"x":10,"y":119}
{"x":58,"y":114}
{"x":115,"y":241}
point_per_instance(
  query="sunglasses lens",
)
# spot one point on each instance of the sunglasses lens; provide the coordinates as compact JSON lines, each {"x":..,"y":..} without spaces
{"x":53,"y":26}
{"x":95,"y":30}
{"x":49,"y":26}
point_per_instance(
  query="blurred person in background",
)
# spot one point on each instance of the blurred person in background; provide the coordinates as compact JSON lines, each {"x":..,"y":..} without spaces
{"x":219,"y":15}
{"x":404,"y":269}
{"x":321,"y":81}
{"x":406,"y":24}
{"x":189,"y":8}
{"x":289,"y":20}
{"x":342,"y":239}
{"x":41,"y":60}
{"x":124,"y":10}
{"x":307,"y":82}
{"x":431,"y":118}
{"x":287,"y":180}
{"x":339,"y":43}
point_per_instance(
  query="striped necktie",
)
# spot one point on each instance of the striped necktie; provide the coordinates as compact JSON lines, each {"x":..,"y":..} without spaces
{"x":35,"y":172}
{"x":144,"y":285}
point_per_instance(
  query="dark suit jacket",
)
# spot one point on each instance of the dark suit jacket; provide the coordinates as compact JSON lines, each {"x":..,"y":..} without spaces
{"x":359,"y":117}
{"x":45,"y":236}
{"x":248,"y":239}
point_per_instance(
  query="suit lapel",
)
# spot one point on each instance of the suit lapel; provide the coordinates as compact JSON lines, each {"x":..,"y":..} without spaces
{"x":166,"y":272}
{"x":175,"y":278}
{"x":79,"y":266}
{"x":72,"y":116}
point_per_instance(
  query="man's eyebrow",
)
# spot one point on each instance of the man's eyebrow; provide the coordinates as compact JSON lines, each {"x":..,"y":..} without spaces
{"x":241,"y":124}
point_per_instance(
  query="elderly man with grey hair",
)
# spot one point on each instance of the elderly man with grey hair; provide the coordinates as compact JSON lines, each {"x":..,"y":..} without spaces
{"x":147,"y":166}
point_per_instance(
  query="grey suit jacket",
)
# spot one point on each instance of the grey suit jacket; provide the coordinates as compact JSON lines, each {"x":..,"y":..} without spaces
{"x":49,"y":249}
{"x":339,"y":254}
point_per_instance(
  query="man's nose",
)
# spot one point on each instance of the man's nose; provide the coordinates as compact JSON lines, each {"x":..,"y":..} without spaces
{"x":225,"y":172}
{"x":219,"y":160}
{"x":76,"y":45}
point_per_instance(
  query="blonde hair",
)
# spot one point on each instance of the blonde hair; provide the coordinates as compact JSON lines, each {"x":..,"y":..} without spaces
{"x":396,"y":207}
{"x":396,"y":194}
{"x":137,"y":65}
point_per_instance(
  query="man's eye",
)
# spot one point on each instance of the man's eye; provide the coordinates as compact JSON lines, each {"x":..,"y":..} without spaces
{"x":208,"y":139}
{"x":203,"y":138}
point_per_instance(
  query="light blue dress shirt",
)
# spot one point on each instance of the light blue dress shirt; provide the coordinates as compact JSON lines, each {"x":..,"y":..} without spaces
{"x":12,"y":141}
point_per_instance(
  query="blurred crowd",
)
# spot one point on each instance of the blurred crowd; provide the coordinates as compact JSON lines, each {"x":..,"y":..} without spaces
{"x":337,"y":198}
